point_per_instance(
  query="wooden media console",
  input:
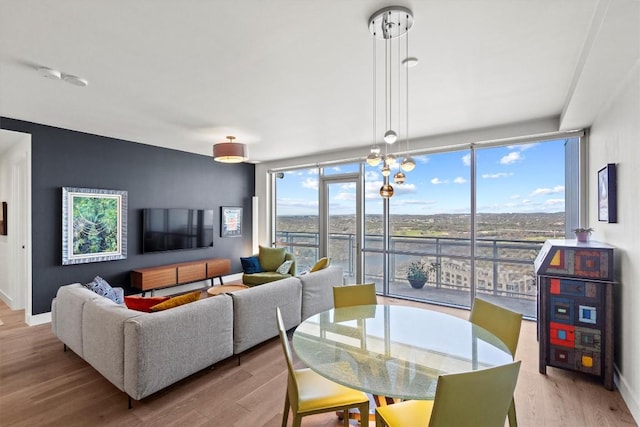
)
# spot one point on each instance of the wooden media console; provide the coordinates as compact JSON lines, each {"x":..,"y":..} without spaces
{"x":164,"y":276}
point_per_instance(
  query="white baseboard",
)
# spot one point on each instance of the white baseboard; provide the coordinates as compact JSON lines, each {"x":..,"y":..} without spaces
{"x":627,"y":395}
{"x":38,"y":319}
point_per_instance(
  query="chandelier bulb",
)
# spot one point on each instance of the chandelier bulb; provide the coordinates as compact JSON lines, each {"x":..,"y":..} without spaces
{"x":390,"y":136}
{"x":373,"y":159}
{"x":386,"y":191}
{"x":386,"y":171}
{"x":375,"y":149}
{"x":390,"y":160}
{"x":399,"y":178}
{"x":408,"y":164}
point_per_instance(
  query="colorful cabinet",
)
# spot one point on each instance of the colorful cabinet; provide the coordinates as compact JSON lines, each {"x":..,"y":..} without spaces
{"x":576,"y":282}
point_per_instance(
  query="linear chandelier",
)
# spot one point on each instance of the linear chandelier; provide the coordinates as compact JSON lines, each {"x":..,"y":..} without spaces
{"x":389,"y":24}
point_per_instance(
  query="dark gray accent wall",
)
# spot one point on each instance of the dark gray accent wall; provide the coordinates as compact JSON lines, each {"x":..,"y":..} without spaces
{"x":153,"y":177}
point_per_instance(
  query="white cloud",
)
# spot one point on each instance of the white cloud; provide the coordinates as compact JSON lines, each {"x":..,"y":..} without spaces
{"x":345,"y":196}
{"x":459,"y":180}
{"x":437,"y":181}
{"x":466,"y":159}
{"x":496,"y":175}
{"x":554,"y":202}
{"x":512,"y":157}
{"x":311,"y":183}
{"x":522,"y":147}
{"x":544,"y":191}
{"x":515,"y":196}
{"x":422,"y":159}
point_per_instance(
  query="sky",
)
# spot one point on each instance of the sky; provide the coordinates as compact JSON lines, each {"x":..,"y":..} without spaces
{"x":523,"y":178}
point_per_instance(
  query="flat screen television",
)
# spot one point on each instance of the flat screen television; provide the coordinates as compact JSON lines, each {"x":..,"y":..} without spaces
{"x":174,"y":229}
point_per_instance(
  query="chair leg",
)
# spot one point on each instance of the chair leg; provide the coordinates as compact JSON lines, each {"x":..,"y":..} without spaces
{"x":379,"y":421}
{"x":285,"y":413}
{"x":297,"y":420}
{"x":364,"y":414}
{"x":513,"y":420}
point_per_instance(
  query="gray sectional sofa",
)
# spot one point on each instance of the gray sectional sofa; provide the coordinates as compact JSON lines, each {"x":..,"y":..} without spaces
{"x":142,"y":353}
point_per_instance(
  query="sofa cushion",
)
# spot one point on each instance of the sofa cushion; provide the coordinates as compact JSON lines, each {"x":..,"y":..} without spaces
{"x":317,"y":290}
{"x":67,"y":314}
{"x":321,"y":264}
{"x":271,"y":258}
{"x":143,"y":303}
{"x":164,"y":347}
{"x":284,"y":267}
{"x":103,"y":288}
{"x":262,"y":278}
{"x":251,"y":265}
{"x":176,"y":301}
{"x":254,"y":312}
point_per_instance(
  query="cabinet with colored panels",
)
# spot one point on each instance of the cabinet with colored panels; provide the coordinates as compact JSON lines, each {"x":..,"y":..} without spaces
{"x":575,"y":307}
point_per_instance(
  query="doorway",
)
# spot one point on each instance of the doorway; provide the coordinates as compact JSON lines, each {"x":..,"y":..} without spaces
{"x":341,"y":223}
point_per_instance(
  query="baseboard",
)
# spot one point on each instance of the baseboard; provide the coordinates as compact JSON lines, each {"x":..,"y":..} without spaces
{"x":627,"y":395}
{"x":39,"y":319}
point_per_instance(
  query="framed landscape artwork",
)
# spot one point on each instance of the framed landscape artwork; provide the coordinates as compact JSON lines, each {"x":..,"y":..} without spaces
{"x":607,"y":197}
{"x":231,"y":222}
{"x":94,"y":225}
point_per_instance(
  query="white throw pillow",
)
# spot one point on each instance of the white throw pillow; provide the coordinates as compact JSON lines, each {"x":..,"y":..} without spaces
{"x":284,"y":267}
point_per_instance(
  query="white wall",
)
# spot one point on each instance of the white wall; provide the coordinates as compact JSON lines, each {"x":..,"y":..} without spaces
{"x":615,"y":138}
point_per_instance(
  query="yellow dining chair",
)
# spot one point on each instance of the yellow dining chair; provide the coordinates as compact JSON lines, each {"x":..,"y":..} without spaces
{"x":309,"y":393}
{"x":504,"y":324}
{"x":476,"y":398}
{"x":350,"y":295}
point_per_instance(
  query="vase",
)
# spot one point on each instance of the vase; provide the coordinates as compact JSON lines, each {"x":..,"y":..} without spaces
{"x":582,"y":236}
{"x":417,"y":283}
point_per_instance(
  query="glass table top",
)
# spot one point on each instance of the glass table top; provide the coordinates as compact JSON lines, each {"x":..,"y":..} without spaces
{"x":392,"y":350}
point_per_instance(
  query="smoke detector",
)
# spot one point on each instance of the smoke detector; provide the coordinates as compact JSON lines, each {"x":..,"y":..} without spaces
{"x":74,"y":80}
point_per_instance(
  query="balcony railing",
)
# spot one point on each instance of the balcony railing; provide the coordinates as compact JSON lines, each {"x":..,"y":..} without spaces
{"x":504,"y":267}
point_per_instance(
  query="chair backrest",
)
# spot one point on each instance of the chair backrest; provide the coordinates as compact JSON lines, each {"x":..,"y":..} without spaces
{"x":501,"y":322}
{"x":350,"y":295}
{"x":292,"y":384}
{"x":476,"y":398}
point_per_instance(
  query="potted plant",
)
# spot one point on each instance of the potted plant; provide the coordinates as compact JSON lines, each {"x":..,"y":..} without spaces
{"x":418,"y":273}
{"x":583,"y":233}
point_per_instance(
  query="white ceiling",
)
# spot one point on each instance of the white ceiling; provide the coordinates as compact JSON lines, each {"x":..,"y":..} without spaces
{"x":288,"y":78}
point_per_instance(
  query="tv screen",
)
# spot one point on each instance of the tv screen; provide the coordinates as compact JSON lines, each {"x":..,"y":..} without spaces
{"x":174,"y":229}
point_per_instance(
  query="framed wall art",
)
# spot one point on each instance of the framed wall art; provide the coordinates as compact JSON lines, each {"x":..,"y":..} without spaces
{"x":3,"y":219}
{"x":231,"y":222}
{"x":94,"y":225}
{"x":607,"y":194}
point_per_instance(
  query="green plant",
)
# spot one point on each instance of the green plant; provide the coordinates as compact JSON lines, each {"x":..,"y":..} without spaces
{"x":583,"y":230}
{"x":419,"y":270}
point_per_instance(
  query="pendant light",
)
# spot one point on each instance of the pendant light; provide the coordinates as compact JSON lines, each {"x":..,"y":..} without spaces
{"x":387,"y":24}
{"x":230,"y":152}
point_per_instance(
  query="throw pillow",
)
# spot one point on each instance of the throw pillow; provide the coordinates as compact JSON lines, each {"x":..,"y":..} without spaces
{"x":251,"y":265}
{"x":285,"y":267}
{"x":270,"y":258}
{"x":103,"y":288}
{"x":176,"y":301}
{"x":143,"y":303}
{"x":322,"y":263}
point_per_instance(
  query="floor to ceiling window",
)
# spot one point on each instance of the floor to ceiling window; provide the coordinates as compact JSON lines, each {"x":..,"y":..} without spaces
{"x":473,"y":218}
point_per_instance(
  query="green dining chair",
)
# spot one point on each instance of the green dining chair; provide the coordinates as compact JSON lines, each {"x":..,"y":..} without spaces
{"x":350,"y":295}
{"x":504,"y":324}
{"x":471,"y":399}
{"x":309,"y":393}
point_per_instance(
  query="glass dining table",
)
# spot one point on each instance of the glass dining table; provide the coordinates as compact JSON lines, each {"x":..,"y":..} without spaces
{"x":392,"y":350}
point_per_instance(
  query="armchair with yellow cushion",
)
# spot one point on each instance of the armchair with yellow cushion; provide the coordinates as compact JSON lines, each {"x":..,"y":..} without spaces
{"x":268,"y":266}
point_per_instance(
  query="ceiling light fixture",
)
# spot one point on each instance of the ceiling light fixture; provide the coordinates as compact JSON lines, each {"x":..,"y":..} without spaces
{"x":388,"y":24}
{"x":230,"y":152}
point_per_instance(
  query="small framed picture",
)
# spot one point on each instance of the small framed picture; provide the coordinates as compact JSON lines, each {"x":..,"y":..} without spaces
{"x":607,"y":208}
{"x":3,"y":219}
{"x":231,"y":222}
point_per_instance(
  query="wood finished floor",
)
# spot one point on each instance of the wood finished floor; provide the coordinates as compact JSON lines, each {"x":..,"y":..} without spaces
{"x":41,"y":385}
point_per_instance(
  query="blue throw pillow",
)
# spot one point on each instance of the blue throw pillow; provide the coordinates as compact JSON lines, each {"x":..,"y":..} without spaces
{"x":103,"y":288}
{"x":251,"y":265}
